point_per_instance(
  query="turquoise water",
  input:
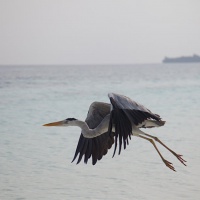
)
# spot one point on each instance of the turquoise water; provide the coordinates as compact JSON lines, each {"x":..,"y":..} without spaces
{"x":35,"y":161}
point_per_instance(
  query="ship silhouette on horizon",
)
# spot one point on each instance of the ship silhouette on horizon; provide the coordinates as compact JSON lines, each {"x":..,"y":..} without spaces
{"x":182,"y":59}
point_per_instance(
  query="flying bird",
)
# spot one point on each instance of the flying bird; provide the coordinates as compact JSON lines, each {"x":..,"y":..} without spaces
{"x":114,"y":123}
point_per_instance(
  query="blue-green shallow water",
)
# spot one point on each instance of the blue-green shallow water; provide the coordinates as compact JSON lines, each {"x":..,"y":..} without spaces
{"x":35,"y":161}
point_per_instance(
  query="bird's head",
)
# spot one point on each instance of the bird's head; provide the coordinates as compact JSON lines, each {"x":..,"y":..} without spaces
{"x":66,"y":122}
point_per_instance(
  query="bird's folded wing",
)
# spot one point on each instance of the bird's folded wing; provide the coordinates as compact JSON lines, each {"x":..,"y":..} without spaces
{"x":95,"y":147}
{"x":124,"y":113}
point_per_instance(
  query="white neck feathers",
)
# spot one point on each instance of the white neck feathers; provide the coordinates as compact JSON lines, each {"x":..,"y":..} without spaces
{"x":91,"y":133}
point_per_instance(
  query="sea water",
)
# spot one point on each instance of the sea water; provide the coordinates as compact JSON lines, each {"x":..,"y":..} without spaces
{"x":35,"y":161}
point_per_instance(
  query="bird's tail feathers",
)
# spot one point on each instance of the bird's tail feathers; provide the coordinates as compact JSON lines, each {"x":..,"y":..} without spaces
{"x":152,"y":124}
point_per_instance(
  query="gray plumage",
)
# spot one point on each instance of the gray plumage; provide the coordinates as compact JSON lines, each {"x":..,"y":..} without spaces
{"x":114,"y":123}
{"x":98,"y":146}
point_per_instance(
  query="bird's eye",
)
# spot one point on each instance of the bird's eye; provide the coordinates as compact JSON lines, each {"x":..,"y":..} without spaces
{"x":70,"y":119}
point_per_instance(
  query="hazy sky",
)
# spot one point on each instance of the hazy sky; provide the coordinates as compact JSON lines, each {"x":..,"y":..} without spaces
{"x":97,"y":31}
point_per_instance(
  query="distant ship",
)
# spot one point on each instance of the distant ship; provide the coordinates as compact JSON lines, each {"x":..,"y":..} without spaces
{"x":182,"y":59}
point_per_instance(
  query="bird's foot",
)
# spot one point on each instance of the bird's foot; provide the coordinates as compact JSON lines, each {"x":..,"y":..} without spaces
{"x":179,"y":157}
{"x":169,"y":164}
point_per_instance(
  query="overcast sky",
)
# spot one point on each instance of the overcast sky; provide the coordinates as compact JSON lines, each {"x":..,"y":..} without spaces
{"x":97,"y":31}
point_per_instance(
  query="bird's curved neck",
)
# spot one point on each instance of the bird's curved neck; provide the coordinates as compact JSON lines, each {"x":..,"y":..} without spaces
{"x":86,"y":131}
{"x":91,"y":133}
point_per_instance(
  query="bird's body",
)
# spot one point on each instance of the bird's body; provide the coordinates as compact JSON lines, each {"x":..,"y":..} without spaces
{"x":107,"y":124}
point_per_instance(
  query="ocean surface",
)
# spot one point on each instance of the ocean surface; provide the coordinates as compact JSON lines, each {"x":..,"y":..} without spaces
{"x":35,"y":161}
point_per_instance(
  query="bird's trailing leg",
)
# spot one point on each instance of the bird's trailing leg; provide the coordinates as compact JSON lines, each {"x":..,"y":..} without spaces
{"x":179,"y":157}
{"x":167,"y":163}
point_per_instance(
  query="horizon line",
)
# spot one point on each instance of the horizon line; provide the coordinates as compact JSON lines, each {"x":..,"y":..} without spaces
{"x":84,"y":64}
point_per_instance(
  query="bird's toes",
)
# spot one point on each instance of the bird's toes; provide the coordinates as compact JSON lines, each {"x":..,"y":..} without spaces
{"x":181,"y":159}
{"x":169,"y":164}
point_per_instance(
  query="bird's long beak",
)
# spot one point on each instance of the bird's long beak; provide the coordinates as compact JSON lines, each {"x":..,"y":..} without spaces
{"x":59,"y":123}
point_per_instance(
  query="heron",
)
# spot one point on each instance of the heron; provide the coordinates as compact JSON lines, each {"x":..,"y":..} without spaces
{"x":115,"y":123}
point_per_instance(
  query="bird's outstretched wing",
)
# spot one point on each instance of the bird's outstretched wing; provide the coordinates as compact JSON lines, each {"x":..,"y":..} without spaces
{"x":95,"y":147}
{"x":124,"y":113}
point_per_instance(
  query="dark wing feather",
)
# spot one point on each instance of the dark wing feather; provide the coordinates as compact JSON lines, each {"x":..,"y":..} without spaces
{"x":124,"y":113}
{"x":94,"y":147}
